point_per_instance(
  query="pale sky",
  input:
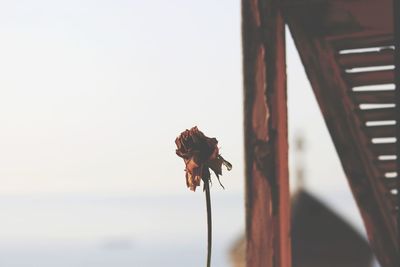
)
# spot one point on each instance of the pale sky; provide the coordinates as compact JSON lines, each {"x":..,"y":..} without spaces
{"x":93,"y":94}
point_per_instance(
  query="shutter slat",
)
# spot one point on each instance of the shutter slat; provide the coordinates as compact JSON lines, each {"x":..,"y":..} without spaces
{"x":370,"y":78}
{"x":382,"y":58}
{"x":380,"y":131}
{"x":373,"y":97}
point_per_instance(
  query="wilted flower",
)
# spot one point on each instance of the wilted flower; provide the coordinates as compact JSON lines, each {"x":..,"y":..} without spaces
{"x":199,"y":153}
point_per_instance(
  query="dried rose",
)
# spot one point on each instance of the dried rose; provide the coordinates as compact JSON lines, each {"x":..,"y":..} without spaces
{"x":199,"y":153}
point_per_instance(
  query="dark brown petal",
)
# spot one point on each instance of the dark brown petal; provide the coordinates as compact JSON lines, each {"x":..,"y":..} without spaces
{"x":216,"y":166}
{"x":193,"y":143}
{"x":199,"y":153}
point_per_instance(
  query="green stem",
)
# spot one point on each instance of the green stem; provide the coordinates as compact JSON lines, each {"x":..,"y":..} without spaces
{"x":209,"y":223}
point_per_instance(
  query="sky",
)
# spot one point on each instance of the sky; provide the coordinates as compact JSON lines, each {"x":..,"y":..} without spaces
{"x":92,"y":97}
{"x":93,"y":94}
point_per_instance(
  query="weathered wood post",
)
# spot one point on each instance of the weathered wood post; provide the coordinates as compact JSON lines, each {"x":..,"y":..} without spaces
{"x":266,"y":141}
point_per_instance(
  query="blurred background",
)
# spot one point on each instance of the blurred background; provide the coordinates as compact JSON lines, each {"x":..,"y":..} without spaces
{"x":92,"y":96}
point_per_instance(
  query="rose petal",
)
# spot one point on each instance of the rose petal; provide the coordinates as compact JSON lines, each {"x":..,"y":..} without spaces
{"x":193,"y":177}
{"x":199,"y":153}
{"x":191,"y":165}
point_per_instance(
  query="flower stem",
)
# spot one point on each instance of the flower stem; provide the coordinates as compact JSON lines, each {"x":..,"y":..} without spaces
{"x":209,"y":223}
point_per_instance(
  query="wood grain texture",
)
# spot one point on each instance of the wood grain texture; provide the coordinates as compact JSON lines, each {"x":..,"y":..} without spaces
{"x":266,"y":145}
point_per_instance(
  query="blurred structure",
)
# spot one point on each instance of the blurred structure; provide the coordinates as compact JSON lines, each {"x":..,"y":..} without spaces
{"x":320,"y":238}
{"x":238,"y":253}
{"x":348,"y":51}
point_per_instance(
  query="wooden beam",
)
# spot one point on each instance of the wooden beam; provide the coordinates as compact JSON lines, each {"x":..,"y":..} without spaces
{"x":266,"y":144}
{"x":332,"y":93}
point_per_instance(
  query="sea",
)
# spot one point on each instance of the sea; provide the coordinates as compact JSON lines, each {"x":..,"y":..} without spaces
{"x":91,"y":230}
{"x":106,"y":230}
